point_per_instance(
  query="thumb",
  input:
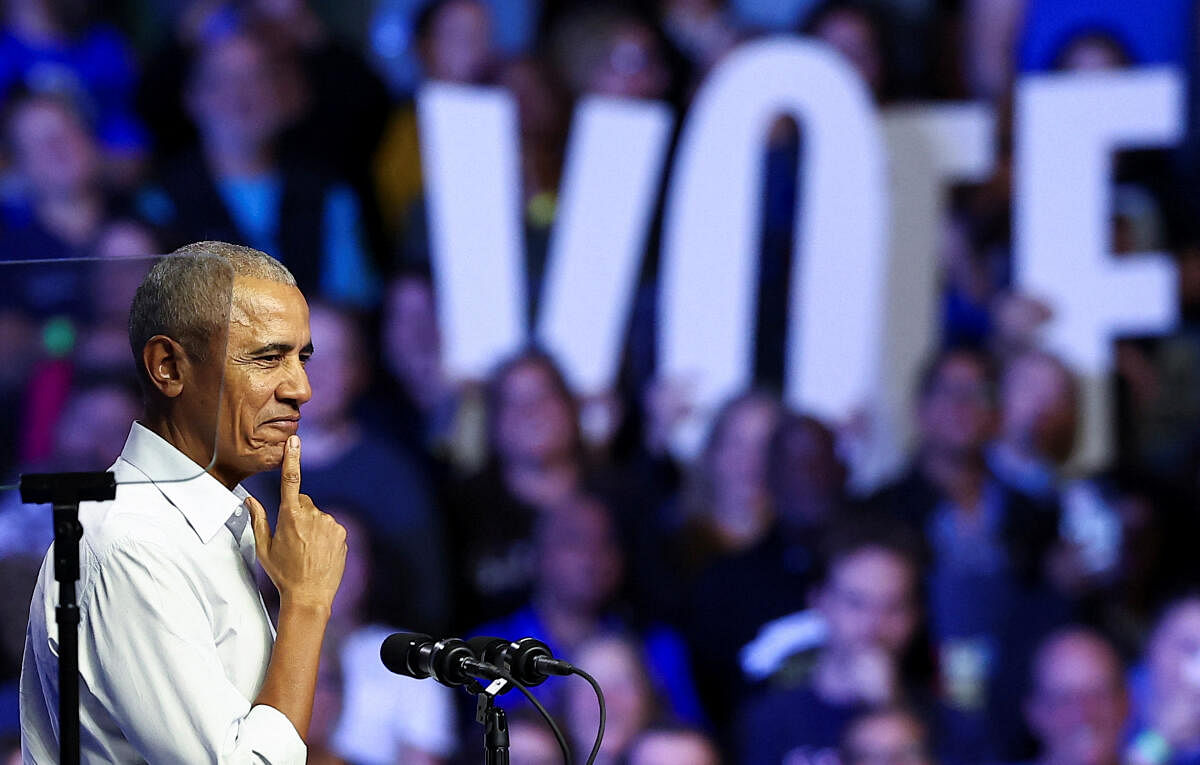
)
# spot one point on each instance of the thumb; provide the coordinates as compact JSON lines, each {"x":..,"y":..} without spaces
{"x":262,"y":529}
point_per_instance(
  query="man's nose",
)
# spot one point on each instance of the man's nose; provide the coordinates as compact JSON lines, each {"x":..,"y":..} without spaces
{"x":295,"y":386}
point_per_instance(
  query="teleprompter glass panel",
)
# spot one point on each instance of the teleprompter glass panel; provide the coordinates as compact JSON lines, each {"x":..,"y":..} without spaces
{"x":76,"y":371}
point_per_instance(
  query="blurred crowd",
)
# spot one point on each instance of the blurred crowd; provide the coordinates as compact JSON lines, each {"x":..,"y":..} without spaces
{"x":987,"y":605}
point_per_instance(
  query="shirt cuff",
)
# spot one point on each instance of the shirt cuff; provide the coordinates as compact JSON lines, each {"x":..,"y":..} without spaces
{"x":268,"y":733}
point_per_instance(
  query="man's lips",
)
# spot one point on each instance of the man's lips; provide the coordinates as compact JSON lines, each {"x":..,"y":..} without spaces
{"x":289,"y":423}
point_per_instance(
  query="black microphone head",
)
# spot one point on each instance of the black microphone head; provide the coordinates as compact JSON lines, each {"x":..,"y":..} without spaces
{"x":446,"y":662}
{"x":522,"y":657}
{"x":492,"y":650}
{"x":400,"y":650}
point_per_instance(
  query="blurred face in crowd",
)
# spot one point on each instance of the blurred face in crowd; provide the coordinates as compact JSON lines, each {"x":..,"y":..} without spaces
{"x":580,"y":558}
{"x":411,"y":337}
{"x":869,"y":602}
{"x":672,"y":747}
{"x":957,"y":413}
{"x":1078,"y":706}
{"x":1174,"y":657}
{"x":854,"y":36}
{"x":123,"y":249}
{"x":107,"y":412}
{"x":1093,"y":53}
{"x":886,"y":738}
{"x":53,"y":149}
{"x":337,"y":374}
{"x":1039,"y":407}
{"x":234,"y":95}
{"x":633,"y":66}
{"x":617,"y":666}
{"x":738,"y":455}
{"x":458,"y":47}
{"x":126,"y":239}
{"x":807,"y":477}
{"x":534,"y":422}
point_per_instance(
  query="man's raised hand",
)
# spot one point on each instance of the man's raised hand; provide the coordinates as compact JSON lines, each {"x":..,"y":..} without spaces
{"x":307,"y":554}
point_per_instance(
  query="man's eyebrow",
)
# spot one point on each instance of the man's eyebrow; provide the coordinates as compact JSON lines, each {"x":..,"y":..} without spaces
{"x":279,"y":348}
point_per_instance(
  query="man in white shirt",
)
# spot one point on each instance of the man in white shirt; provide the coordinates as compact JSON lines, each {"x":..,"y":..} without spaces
{"x":178,"y":661}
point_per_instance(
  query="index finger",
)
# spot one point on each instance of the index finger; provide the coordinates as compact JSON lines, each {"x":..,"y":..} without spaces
{"x":289,"y":484}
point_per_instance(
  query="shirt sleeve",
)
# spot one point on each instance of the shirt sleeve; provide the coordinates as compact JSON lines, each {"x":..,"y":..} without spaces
{"x":148,"y":656}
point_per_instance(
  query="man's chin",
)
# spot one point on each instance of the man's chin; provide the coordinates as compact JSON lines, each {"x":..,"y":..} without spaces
{"x":264,"y":456}
{"x":273,"y":455}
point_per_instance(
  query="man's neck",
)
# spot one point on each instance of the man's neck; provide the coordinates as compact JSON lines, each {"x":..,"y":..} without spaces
{"x":199,"y":450}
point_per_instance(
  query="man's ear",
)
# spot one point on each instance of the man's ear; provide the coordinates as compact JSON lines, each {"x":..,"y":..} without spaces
{"x":165,"y":364}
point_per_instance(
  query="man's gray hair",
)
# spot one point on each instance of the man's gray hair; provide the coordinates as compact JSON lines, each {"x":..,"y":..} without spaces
{"x":187,"y":296}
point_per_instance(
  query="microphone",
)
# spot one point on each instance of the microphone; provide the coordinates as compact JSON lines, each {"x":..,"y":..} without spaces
{"x":449,"y":661}
{"x":528,"y":660}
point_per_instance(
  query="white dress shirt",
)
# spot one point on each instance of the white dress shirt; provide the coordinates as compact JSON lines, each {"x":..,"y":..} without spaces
{"x":173,"y":637}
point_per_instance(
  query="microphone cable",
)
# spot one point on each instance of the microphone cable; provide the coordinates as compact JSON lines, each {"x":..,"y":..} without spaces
{"x":558,"y":734}
{"x":603,"y":713}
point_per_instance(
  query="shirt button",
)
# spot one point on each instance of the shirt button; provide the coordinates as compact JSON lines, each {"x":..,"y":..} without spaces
{"x":238,"y":512}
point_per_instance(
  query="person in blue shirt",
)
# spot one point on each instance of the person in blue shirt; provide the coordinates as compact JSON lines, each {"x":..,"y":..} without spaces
{"x":1165,"y":689}
{"x":50,"y":44}
{"x":62,"y":209}
{"x":579,"y":571}
{"x":237,"y":186}
{"x":869,"y":603}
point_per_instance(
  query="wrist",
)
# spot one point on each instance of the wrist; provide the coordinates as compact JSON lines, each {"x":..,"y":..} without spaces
{"x":305,"y":608}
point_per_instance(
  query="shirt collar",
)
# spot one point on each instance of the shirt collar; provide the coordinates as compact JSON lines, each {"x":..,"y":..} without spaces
{"x":203,"y":500}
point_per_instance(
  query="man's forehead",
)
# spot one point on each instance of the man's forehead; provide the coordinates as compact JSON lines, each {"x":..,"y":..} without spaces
{"x":265,"y":306}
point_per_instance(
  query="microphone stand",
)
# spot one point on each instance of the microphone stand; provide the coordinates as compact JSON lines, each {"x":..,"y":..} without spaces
{"x":65,"y":491}
{"x":493,"y":719}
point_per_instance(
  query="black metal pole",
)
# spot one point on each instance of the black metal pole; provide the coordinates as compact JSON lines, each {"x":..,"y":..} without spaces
{"x":493,"y":720}
{"x":495,"y":735}
{"x":65,"y":491}
{"x":67,"y":533}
